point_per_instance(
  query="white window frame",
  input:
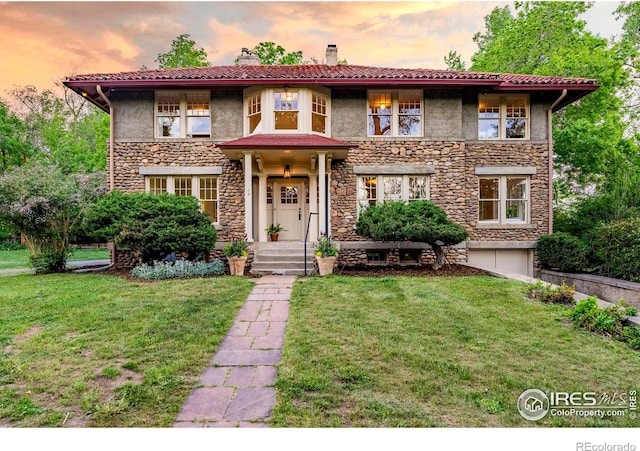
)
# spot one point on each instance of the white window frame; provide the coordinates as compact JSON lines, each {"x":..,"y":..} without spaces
{"x":183,"y":113}
{"x":380,"y":188}
{"x":395,"y":112}
{"x":504,"y":101}
{"x":502,"y":200}
{"x":267,"y":106}
{"x":195,"y":187}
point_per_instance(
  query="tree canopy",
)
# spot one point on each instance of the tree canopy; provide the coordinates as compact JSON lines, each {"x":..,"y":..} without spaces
{"x":183,"y":53}
{"x":550,"y":38}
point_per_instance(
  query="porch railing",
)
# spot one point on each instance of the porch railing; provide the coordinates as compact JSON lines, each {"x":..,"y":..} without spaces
{"x":306,"y":237}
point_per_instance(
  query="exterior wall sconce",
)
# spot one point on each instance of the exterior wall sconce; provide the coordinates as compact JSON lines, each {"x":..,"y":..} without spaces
{"x":287,"y":172}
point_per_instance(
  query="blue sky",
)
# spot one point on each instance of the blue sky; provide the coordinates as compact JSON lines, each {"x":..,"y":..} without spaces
{"x":45,"y":41}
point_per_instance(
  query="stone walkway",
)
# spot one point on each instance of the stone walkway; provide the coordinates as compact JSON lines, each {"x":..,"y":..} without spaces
{"x":237,"y":387}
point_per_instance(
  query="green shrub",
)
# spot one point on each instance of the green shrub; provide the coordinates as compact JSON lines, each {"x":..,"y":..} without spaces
{"x":149,"y":223}
{"x":50,"y":260}
{"x":179,"y":269}
{"x":609,"y":321}
{"x":563,"y":251}
{"x":617,"y":247}
{"x":419,"y":221}
{"x":562,"y":294}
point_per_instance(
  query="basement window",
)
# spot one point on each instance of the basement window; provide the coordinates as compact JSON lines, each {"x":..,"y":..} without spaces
{"x":377,"y":257}
{"x":410,"y":256}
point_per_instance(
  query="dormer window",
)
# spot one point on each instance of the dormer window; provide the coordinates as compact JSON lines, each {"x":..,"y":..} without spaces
{"x":287,"y":110}
{"x":183,"y":114}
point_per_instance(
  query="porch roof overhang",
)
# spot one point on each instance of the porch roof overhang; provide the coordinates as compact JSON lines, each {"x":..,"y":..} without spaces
{"x":280,"y":146}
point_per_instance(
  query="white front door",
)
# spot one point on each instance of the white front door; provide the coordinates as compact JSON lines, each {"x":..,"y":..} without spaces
{"x":288,"y":202}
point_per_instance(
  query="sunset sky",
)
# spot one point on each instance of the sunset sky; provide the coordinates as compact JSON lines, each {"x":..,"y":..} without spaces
{"x":42,"y":42}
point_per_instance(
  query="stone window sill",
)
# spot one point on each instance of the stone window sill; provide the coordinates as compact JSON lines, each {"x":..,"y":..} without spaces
{"x":486,"y":225}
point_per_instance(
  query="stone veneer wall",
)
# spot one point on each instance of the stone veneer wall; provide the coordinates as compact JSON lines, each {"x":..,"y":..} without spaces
{"x":453,"y":186}
{"x":517,"y":154}
{"x":358,"y":257}
{"x":131,"y":156}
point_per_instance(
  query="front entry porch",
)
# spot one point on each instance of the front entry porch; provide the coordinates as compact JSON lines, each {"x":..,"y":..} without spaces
{"x":286,"y":180}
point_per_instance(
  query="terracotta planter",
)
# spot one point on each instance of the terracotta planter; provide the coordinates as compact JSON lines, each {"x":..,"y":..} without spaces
{"x":273,"y":236}
{"x":236,"y":265}
{"x":325,"y":265}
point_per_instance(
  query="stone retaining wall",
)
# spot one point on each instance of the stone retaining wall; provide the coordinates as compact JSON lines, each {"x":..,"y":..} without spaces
{"x":606,"y":288}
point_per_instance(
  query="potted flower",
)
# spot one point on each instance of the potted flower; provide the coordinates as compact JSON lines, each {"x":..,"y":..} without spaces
{"x":236,"y":252}
{"x":326,"y":254}
{"x":273,"y":231}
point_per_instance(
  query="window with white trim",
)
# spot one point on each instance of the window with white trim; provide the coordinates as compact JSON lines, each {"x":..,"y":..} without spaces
{"x":504,"y":199}
{"x":202,"y":187}
{"x":503,"y":116}
{"x":374,"y":189}
{"x":183,"y":114}
{"x":287,"y":110}
{"x":394,"y":113}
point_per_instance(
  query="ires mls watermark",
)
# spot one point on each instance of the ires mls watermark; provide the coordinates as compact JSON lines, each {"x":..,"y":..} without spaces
{"x":534,"y":404}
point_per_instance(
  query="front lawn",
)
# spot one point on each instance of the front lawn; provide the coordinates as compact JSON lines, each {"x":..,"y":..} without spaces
{"x":95,"y":350}
{"x":443,"y":351}
{"x":20,"y":258}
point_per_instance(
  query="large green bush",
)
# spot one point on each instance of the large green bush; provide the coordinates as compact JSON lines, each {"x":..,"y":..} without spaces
{"x":617,"y":247}
{"x":418,"y":221}
{"x":562,"y":251}
{"x":148,"y":224}
{"x":43,"y":203}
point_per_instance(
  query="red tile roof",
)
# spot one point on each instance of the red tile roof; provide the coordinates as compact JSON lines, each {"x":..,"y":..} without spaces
{"x":267,"y":141}
{"x":316,"y":73}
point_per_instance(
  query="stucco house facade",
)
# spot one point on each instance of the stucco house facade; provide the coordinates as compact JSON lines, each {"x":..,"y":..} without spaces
{"x":309,"y":146}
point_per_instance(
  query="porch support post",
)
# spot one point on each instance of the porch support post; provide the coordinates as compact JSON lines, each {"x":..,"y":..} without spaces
{"x":322,"y":185}
{"x":313,"y":208}
{"x":248,"y":198}
{"x":262,"y":208}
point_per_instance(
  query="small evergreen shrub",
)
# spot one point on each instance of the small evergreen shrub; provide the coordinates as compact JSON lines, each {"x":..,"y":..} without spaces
{"x":617,"y":246}
{"x":563,"y":251}
{"x":179,"y":269}
{"x":562,"y":294}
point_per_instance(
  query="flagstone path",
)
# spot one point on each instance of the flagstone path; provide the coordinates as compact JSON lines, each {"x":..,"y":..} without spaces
{"x":237,"y":387}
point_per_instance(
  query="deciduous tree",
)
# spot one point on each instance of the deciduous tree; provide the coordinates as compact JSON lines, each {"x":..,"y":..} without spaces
{"x":183,"y":53}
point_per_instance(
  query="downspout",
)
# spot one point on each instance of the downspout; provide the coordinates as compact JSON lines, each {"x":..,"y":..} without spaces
{"x":111,"y":139}
{"x":550,"y":152}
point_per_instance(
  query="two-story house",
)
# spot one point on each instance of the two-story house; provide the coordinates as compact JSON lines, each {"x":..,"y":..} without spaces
{"x":314,"y":144}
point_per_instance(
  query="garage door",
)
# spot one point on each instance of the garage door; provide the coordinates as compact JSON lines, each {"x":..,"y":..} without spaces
{"x":515,"y":260}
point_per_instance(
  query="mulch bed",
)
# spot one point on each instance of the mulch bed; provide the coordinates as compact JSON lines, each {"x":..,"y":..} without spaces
{"x":412,"y":271}
{"x":449,"y":270}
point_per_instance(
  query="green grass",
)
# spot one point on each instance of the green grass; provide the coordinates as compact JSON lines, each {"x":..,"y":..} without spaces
{"x":420,"y":352}
{"x":20,"y":258}
{"x":95,"y":350}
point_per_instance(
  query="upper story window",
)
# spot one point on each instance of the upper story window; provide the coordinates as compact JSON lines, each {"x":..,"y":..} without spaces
{"x":183,"y":114}
{"x":286,"y":110}
{"x":503,"y":117}
{"x":394,"y":113}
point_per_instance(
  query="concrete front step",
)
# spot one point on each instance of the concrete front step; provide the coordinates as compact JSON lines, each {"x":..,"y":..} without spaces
{"x":282,"y":258}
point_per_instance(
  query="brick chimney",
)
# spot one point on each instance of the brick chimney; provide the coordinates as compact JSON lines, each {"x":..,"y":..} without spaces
{"x":332,"y":55}
{"x":248,"y":58}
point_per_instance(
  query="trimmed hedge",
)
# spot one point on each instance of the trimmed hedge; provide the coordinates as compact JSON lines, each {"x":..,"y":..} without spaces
{"x":617,"y":246}
{"x":562,"y":251}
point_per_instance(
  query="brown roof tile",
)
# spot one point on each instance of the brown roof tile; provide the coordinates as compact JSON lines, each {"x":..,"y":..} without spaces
{"x":321,"y":72}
